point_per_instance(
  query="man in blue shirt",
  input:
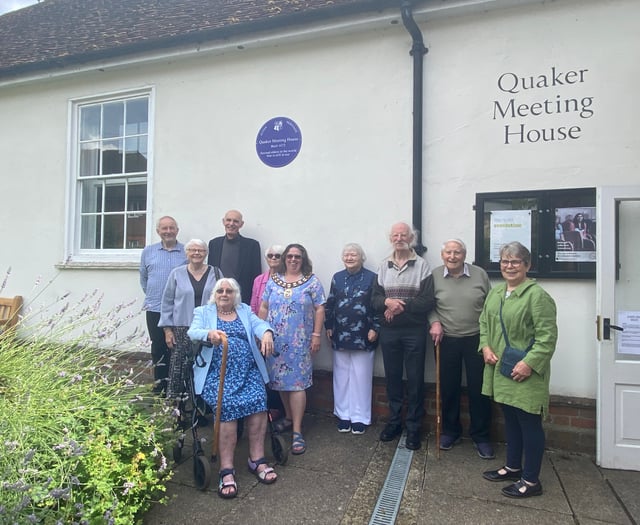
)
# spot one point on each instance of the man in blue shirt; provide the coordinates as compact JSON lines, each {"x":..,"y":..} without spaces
{"x":156,"y":263}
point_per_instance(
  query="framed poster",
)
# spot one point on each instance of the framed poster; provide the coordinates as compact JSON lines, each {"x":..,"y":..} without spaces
{"x":558,"y":227}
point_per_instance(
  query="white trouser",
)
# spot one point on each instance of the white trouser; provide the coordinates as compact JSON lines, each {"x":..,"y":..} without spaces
{"x":352,"y":385}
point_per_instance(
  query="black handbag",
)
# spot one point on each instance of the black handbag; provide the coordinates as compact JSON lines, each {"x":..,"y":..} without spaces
{"x":510,"y":355}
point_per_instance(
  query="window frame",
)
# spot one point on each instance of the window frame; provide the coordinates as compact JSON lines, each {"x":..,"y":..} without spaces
{"x":75,"y":256}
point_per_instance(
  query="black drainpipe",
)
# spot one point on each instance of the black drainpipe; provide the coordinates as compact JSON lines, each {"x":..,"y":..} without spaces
{"x":417,"y":52}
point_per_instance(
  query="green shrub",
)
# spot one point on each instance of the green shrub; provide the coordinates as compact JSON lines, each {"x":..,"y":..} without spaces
{"x":81,"y":441}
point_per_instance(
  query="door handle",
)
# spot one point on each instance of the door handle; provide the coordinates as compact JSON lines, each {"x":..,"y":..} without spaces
{"x":607,"y":327}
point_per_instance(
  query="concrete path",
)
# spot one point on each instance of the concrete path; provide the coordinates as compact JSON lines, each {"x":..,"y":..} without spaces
{"x":339,"y":478}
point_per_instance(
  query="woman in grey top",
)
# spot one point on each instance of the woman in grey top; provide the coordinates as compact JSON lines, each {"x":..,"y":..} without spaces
{"x":188,"y":286}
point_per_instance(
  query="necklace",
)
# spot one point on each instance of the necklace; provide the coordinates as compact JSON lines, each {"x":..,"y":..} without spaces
{"x":288,"y":292}
{"x":226,"y":312}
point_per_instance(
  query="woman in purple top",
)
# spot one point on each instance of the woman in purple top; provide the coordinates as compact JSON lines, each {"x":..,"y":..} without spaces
{"x":272,"y":255}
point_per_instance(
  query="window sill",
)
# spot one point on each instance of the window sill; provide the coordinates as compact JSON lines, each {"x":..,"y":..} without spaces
{"x":94,"y":265}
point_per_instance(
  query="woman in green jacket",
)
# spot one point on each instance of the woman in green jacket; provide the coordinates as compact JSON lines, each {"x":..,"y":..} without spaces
{"x":529,"y":317}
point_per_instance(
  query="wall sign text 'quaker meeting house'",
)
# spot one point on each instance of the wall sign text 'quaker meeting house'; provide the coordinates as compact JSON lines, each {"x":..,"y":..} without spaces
{"x":278,"y":142}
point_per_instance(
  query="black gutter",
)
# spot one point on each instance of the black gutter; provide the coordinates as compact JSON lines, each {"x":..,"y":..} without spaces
{"x":418,"y":50}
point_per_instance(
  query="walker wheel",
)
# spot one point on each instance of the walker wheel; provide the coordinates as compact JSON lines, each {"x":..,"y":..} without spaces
{"x":177,"y":451}
{"x":279,"y":449}
{"x":201,"y":472}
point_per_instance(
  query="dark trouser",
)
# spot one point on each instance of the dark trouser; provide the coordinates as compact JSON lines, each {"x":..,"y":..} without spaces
{"x":159,"y":352}
{"x":453,"y":352}
{"x":525,"y":435}
{"x":404,"y":348}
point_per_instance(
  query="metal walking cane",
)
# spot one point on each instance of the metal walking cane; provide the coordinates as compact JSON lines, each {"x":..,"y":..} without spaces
{"x":438,"y":407}
{"x":223,"y":370}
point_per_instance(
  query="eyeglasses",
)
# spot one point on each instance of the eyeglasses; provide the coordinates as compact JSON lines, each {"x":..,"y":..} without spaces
{"x":293,"y":257}
{"x":227,"y":291}
{"x":195,"y":250}
{"x":511,"y":262}
{"x":273,"y":256}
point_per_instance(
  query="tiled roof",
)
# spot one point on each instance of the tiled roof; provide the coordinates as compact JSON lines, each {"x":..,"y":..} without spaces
{"x":57,"y":33}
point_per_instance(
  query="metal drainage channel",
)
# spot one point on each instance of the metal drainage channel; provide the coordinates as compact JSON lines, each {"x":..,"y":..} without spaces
{"x":386,"y":508}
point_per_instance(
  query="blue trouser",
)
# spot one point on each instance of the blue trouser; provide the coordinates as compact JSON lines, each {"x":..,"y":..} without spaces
{"x":403,"y":348}
{"x":454,"y":351}
{"x":525,"y":436}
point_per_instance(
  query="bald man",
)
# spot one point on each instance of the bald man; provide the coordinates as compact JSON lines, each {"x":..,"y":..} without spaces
{"x":237,"y":256}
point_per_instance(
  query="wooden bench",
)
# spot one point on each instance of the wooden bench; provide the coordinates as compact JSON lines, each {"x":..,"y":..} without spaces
{"x":9,"y":310}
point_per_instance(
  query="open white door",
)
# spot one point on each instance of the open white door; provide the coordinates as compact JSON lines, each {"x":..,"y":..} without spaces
{"x":618,"y":332}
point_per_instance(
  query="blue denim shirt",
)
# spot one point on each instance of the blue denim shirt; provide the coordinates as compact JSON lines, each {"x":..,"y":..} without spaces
{"x":156,"y":264}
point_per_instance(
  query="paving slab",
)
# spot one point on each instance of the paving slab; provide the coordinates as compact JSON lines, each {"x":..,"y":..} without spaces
{"x":586,"y":490}
{"x":339,"y":479}
{"x":626,"y":485}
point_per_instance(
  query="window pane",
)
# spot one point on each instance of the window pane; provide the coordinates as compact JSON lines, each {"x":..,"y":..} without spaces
{"x":90,"y":123}
{"x":137,"y":196}
{"x":111,"y":157}
{"x":136,"y":158}
{"x":91,"y":196}
{"x":113,"y":120}
{"x":136,"y":224}
{"x":113,"y":232}
{"x":114,"y":197}
{"x":90,"y":232}
{"x":137,"y":116}
{"x":89,"y":159}
{"x":112,"y":145}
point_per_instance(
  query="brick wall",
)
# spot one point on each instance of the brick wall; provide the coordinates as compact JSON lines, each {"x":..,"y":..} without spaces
{"x":571,"y":425}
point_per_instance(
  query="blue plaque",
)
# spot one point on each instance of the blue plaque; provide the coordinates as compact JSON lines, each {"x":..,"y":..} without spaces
{"x":278,"y":142}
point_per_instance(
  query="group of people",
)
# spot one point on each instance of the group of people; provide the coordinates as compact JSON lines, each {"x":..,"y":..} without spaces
{"x":274,"y":336}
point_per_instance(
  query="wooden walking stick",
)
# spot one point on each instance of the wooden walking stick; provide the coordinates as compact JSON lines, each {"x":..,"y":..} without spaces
{"x":438,"y":407}
{"x":223,"y":370}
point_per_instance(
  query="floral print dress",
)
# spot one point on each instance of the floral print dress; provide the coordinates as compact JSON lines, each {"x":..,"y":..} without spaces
{"x":243,"y":391}
{"x":291,"y":315}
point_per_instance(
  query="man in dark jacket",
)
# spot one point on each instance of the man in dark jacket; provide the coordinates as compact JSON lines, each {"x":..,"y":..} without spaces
{"x":237,"y":256}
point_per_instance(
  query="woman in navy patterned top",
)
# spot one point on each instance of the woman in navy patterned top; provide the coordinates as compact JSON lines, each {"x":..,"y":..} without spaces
{"x":352,"y":326}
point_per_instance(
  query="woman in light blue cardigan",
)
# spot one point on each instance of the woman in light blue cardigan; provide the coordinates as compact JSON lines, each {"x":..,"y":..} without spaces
{"x":188,"y":286}
{"x":244,"y":392}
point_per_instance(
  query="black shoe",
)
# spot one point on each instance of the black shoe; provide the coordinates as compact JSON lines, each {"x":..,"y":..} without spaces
{"x":413,"y":440}
{"x":509,"y":475}
{"x":390,"y":432}
{"x":522,"y":489}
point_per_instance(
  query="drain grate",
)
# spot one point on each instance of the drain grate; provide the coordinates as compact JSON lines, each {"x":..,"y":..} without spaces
{"x":386,"y":508}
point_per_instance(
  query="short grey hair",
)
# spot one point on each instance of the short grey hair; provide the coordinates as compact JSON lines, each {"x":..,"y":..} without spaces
{"x":274,"y":248}
{"x":414,"y":233}
{"x":354,"y":247}
{"x":199,"y":242}
{"x":458,"y":242}
{"x":516,"y":249}
{"x":166,"y":217}
{"x":232,"y":283}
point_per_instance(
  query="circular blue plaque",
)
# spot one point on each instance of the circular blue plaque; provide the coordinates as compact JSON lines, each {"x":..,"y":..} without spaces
{"x":278,"y":142}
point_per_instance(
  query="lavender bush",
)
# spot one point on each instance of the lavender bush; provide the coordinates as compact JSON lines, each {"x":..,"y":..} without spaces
{"x":81,"y":440}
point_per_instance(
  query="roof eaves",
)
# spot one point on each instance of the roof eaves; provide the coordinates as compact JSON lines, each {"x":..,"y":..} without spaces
{"x":199,"y":37}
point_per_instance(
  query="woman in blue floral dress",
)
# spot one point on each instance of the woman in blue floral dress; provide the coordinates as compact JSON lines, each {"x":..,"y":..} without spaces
{"x":293,"y":304}
{"x":244,"y":393}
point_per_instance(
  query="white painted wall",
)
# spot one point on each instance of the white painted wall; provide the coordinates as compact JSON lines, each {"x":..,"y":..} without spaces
{"x":351,"y":97}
